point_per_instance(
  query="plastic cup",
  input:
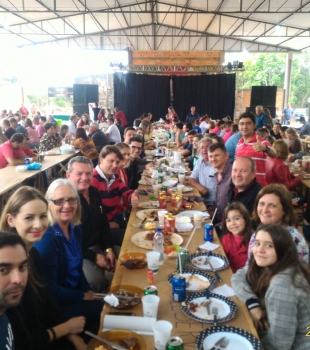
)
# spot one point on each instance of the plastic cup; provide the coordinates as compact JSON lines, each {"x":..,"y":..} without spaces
{"x":161,"y":215}
{"x":153,"y":261}
{"x":156,"y":189}
{"x":181,"y":179}
{"x":162,"y":333}
{"x":180,"y":188}
{"x":198,"y":219}
{"x":150,"y":305}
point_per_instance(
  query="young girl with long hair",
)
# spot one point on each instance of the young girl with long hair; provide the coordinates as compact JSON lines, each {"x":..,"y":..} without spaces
{"x":236,"y":234}
{"x":276,"y":289}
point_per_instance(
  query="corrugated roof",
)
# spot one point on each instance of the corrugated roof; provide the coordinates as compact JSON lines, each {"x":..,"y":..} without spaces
{"x":227,"y":25}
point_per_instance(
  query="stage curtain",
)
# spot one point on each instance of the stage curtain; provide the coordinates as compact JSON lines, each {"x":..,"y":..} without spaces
{"x":136,"y":94}
{"x":211,"y":94}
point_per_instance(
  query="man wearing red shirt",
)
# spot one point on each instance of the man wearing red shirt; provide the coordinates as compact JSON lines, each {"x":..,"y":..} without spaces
{"x":120,"y":114}
{"x":11,"y":152}
{"x":253,"y":146}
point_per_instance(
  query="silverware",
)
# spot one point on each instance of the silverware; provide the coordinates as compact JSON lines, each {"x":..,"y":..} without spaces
{"x":113,"y":345}
{"x":215,"y":312}
{"x":191,"y":276}
{"x":208,"y":302}
{"x":220,"y":344}
{"x":217,"y":343}
{"x":208,"y":262}
{"x":142,"y":223}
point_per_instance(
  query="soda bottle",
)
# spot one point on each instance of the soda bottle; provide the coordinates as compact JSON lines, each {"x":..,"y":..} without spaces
{"x":158,"y":242}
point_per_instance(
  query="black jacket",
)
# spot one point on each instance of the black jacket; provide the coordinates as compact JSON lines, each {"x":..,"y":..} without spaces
{"x":247,"y":197}
{"x":94,"y":224}
{"x":134,"y":172}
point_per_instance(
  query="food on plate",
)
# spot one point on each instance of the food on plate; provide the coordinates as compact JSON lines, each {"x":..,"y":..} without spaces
{"x":151,"y":215}
{"x":198,"y":261}
{"x":171,"y":250}
{"x":135,"y":300}
{"x":200,"y":309}
{"x":130,"y":343}
{"x":100,"y":347}
{"x":200,"y":283}
{"x":150,"y":226}
{"x":167,"y":236}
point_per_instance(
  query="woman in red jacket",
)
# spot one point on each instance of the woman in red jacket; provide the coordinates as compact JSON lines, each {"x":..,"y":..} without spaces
{"x":277,"y":171}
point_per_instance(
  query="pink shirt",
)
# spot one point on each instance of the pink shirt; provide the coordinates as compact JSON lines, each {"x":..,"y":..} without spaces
{"x":6,"y":151}
{"x":33,"y":135}
{"x":40,"y":129}
{"x":227,"y":136}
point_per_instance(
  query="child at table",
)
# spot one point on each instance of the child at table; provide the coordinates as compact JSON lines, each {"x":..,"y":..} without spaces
{"x":276,"y":290}
{"x":237,"y":231}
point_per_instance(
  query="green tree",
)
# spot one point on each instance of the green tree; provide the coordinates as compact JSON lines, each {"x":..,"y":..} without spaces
{"x":269,"y":69}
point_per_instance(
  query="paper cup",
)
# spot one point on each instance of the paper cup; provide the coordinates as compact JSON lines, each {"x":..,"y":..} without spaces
{"x":156,"y":189}
{"x":161,"y":215}
{"x":181,"y":179}
{"x":150,"y":305}
{"x":162,"y":333}
{"x":180,"y":188}
{"x":198,"y":219}
{"x":153,"y":261}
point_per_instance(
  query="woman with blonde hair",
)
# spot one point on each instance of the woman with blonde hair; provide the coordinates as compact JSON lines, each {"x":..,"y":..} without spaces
{"x":37,"y":321}
{"x":277,"y":171}
{"x":62,"y":259}
{"x":294,"y":141}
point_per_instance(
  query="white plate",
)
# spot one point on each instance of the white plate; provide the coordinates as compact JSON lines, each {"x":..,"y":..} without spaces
{"x":141,"y":214}
{"x":169,"y":183}
{"x":190,"y":214}
{"x":148,"y":183}
{"x":146,"y":205}
{"x":139,"y":240}
{"x":186,"y":189}
{"x":201,"y":311}
{"x":199,"y":282}
{"x":236,"y":341}
{"x":216,"y":262}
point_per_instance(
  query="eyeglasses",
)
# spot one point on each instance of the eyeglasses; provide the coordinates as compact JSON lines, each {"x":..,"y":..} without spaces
{"x":135,"y":147}
{"x":61,"y":202}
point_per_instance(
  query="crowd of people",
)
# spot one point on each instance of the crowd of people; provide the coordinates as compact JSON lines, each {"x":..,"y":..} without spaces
{"x":57,"y":251}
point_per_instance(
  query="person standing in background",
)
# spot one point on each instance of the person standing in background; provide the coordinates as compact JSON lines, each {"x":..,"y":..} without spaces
{"x":287,"y":114}
{"x":120,"y":114}
{"x":95,"y":109}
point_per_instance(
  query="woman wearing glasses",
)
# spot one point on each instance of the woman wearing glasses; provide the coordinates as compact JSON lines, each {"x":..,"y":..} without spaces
{"x":60,"y":251}
{"x":37,"y":321}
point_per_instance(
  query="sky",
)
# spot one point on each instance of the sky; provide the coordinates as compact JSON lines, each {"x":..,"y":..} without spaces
{"x":40,"y":68}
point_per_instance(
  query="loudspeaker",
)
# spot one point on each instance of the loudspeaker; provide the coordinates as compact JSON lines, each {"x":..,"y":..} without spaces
{"x":83,"y":94}
{"x":81,"y":109}
{"x":263,"y":95}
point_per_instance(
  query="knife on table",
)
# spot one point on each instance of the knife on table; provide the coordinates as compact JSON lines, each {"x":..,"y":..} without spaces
{"x":214,"y":271}
{"x":208,"y":302}
{"x":142,"y":222}
{"x":113,"y":345}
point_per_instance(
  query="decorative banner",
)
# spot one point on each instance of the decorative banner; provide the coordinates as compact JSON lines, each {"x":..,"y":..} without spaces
{"x":60,"y":92}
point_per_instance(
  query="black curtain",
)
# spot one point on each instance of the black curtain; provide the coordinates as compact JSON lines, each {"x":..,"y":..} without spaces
{"x":135,"y":94}
{"x":211,"y":94}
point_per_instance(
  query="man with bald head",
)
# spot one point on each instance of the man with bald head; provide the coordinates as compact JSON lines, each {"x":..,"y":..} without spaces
{"x":244,"y":187}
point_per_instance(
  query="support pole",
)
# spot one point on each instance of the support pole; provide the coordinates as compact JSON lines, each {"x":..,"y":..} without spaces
{"x":288,"y":75}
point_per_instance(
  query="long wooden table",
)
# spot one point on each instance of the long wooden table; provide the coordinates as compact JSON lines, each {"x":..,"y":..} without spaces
{"x":11,"y":178}
{"x":170,"y":310}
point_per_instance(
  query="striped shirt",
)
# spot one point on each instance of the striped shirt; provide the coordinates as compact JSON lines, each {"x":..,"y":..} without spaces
{"x":111,"y":191}
{"x":246,"y":149}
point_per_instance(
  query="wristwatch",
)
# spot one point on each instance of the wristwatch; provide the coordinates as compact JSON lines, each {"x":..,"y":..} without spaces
{"x":267,"y":149}
{"x":108,"y":250}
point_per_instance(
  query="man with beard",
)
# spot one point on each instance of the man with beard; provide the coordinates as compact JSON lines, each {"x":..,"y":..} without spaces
{"x":13,"y":280}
